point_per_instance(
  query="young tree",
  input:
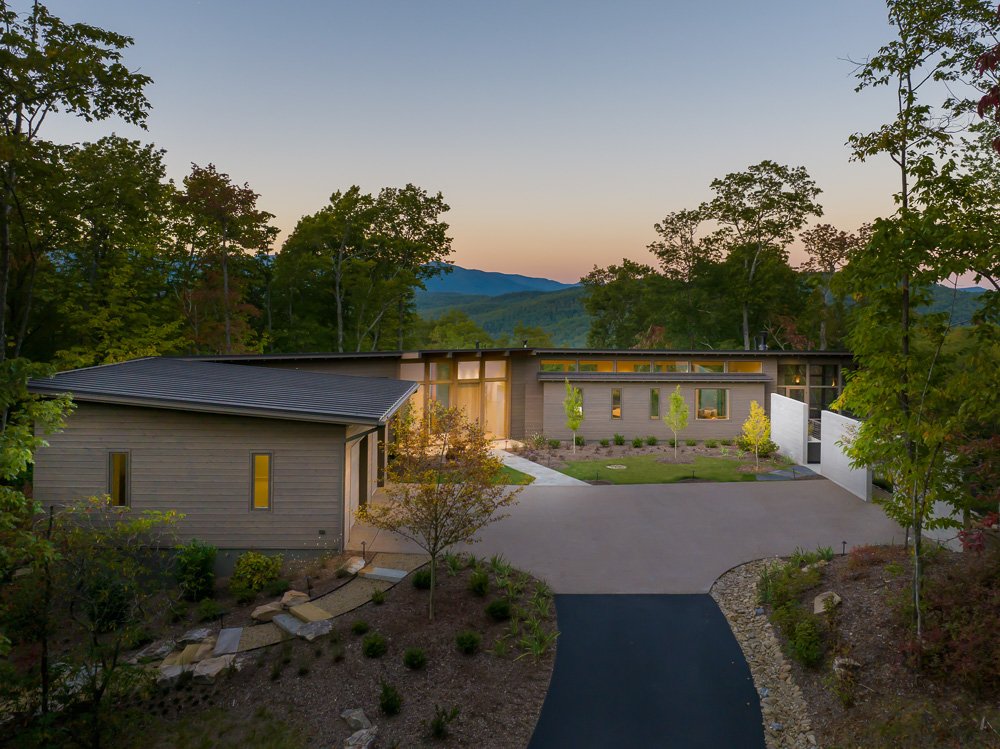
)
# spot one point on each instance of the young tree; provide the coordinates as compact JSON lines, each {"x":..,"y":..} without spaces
{"x":676,"y":417}
{"x":49,"y":65}
{"x":573,"y":408}
{"x":756,"y":430}
{"x":759,"y":211}
{"x":442,"y":486}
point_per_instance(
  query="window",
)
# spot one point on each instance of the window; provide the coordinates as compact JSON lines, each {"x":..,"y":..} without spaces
{"x":468,"y":370}
{"x":560,"y":365}
{"x":441,"y":394}
{"x":654,"y":403}
{"x":709,"y":366}
{"x":597,"y":366}
{"x":260,"y":481}
{"x":712,"y":403}
{"x":792,"y":374}
{"x":118,"y":479}
{"x":616,"y":403}
{"x":412,"y":371}
{"x":671,"y":366}
{"x":440,"y":370}
{"x":746,"y":367}
{"x":495,"y":369}
{"x":634,"y":366}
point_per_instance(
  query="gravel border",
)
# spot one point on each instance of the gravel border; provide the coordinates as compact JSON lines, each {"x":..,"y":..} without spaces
{"x":787,"y":724}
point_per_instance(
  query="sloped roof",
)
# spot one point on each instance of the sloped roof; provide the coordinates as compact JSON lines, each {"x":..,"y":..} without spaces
{"x":233,"y":389}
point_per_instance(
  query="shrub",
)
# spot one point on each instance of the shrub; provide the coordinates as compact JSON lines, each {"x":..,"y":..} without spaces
{"x":727,"y":443}
{"x":537,"y":440}
{"x":196,"y":570}
{"x":374,"y":645}
{"x":378,"y":597}
{"x":390,"y":701}
{"x":277,"y":587}
{"x":637,"y":442}
{"x":579,"y":441}
{"x":341,"y":573}
{"x":651,"y":441}
{"x":605,"y":442}
{"x":672,"y":442}
{"x":360,"y":627}
{"x":767,"y":447}
{"x":690,"y":443}
{"x":414,"y":659}
{"x":422,"y":579}
{"x":555,"y":444}
{"x":453,"y":563}
{"x":619,"y":439}
{"x":806,"y":644}
{"x":468,"y":641}
{"x":242,"y":593}
{"x":438,"y":725}
{"x":498,"y":609}
{"x":711,"y":443}
{"x":255,"y":570}
{"x":479,"y":582}
{"x":825,"y":553}
{"x":209,"y":610}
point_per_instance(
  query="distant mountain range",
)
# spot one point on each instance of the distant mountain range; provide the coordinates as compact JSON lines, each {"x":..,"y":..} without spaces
{"x":499,"y":301}
{"x":489,"y":283}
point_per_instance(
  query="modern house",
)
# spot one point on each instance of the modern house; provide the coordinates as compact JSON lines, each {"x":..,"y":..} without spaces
{"x":254,"y":457}
{"x":278,"y":451}
{"x":517,"y":392}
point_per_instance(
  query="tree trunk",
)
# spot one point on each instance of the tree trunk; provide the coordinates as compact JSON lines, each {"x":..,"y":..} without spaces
{"x":746,"y":326}
{"x":822,"y":330}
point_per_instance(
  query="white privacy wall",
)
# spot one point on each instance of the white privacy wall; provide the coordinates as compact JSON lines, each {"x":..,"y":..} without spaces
{"x":834,"y":464}
{"x":790,"y":427}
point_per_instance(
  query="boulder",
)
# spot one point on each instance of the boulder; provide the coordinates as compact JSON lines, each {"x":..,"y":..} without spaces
{"x":267,"y":611}
{"x":356,"y":719}
{"x":313,"y":630}
{"x":207,"y":670}
{"x":155,"y":651}
{"x":168,"y":675}
{"x":195,"y":636}
{"x":293,"y":598}
{"x":354,"y":565}
{"x":363,"y":739}
{"x":820,"y":601}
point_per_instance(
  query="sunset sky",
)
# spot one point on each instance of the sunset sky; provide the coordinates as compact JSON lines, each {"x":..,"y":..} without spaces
{"x":558,"y":132}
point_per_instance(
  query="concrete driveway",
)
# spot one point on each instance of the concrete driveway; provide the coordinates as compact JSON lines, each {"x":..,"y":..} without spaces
{"x":666,"y":538}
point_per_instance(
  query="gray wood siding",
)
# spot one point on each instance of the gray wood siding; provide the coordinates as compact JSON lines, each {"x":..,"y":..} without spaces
{"x":526,"y":398}
{"x":199,"y":465}
{"x":635,"y":420}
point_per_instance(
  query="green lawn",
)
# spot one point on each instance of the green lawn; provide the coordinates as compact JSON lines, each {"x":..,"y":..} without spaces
{"x":510,"y":475}
{"x":644,"y":469}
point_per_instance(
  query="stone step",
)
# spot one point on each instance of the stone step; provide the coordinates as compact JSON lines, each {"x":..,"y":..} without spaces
{"x":229,"y":641}
{"x":385,"y":574}
{"x":308,"y":612}
{"x":288,"y":623}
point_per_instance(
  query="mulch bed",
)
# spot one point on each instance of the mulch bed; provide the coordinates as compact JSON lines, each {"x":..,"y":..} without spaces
{"x":895,"y":704}
{"x":558,"y":457}
{"x":309,"y":685}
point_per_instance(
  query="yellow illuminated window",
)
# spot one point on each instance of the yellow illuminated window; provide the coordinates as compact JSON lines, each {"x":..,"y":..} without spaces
{"x":494,"y":369}
{"x":748,"y":367}
{"x":654,"y":403}
{"x":560,"y":365}
{"x":468,"y":370}
{"x":671,"y":366}
{"x":634,"y":366}
{"x":597,"y":366}
{"x":709,"y":366}
{"x":118,"y":488}
{"x":261,"y":483}
{"x":616,"y":403}
{"x":712,"y":404}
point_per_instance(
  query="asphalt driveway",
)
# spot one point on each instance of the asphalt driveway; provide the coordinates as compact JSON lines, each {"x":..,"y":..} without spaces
{"x":647,"y":671}
{"x":666,"y":538}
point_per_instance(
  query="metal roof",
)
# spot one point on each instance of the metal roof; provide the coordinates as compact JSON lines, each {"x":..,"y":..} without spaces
{"x":233,"y":389}
{"x":728,"y":377}
{"x":518,"y":350}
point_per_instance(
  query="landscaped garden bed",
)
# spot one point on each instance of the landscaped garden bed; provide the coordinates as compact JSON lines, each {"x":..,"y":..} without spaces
{"x":646,"y":461}
{"x":856,"y":666}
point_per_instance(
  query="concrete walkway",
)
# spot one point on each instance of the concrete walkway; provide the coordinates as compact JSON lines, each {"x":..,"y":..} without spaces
{"x":543,"y":476}
{"x":647,"y":671}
